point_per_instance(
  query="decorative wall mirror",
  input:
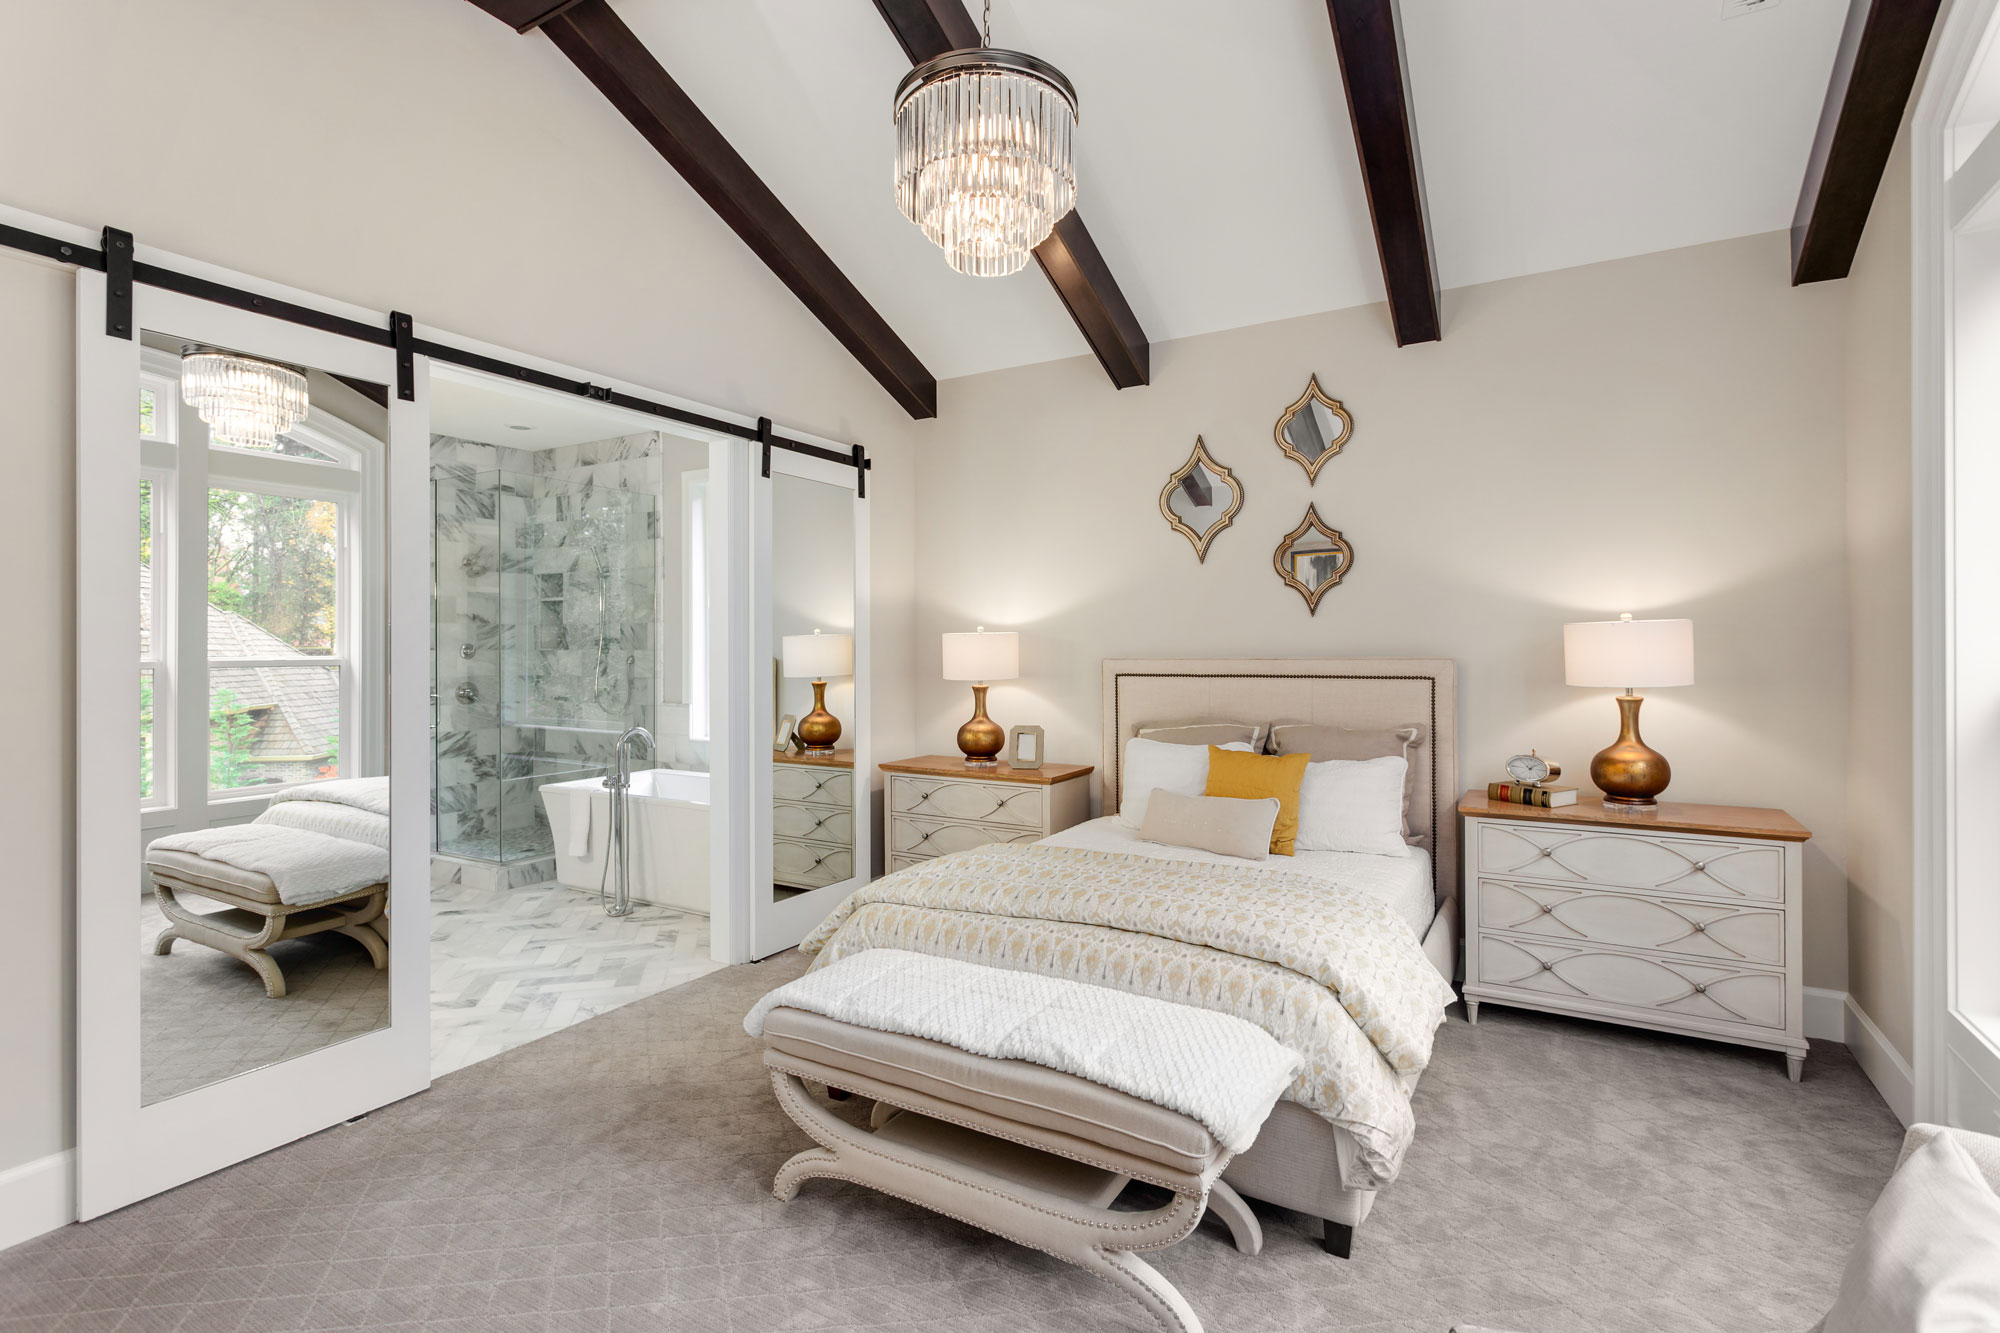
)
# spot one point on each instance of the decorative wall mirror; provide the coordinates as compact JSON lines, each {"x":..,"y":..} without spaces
{"x":1200,"y":499}
{"x":1312,"y":558}
{"x":1313,"y":429}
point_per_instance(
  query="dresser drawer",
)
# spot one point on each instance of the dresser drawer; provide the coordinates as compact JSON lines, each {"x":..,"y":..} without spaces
{"x":1694,"y":867}
{"x":924,"y":837}
{"x":818,"y":786}
{"x":1724,"y":932}
{"x":1015,"y":804}
{"x":809,"y":865}
{"x":1586,"y":974}
{"x":905,"y":862}
{"x":813,"y":823}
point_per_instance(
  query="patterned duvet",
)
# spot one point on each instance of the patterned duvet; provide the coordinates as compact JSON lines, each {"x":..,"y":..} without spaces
{"x":1328,"y":971}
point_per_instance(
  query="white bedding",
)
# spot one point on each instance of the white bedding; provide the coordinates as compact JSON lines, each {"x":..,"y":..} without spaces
{"x":1402,"y":882}
{"x":331,"y":818}
{"x":1153,"y":1049}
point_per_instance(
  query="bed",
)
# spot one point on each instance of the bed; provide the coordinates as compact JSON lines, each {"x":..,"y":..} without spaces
{"x":1083,"y":904}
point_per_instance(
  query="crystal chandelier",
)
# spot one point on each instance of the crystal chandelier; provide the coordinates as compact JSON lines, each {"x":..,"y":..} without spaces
{"x":244,"y":401}
{"x":983,"y":154}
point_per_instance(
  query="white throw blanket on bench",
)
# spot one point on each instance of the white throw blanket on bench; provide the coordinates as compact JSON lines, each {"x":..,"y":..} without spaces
{"x":370,"y":794}
{"x":305,"y":867}
{"x":1215,"y":1068}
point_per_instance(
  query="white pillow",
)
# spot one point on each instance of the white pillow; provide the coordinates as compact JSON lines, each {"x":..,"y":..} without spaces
{"x":1158,"y":764}
{"x":1928,"y":1260}
{"x":1353,"y":805}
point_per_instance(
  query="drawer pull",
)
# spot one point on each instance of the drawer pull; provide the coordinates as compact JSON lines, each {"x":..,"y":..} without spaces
{"x":1548,"y":967}
{"x":1548,"y":851}
{"x":1700,"y":989}
{"x":1698,"y":867}
{"x":1701,"y":927}
{"x":1547,"y":908}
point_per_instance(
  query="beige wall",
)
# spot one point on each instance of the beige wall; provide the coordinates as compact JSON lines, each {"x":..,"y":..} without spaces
{"x":37,"y":705}
{"x":419,"y":157}
{"x":1661,"y":435}
{"x":1880,"y":905}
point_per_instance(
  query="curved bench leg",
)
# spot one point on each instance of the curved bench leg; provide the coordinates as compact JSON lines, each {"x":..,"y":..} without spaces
{"x":1098,"y":1240}
{"x":1143,"y":1283}
{"x":378,"y":950}
{"x":165,"y":944}
{"x":1243,"y":1225}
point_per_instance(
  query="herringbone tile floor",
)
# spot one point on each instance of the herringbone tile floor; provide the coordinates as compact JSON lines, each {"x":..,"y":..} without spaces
{"x":1566,"y":1178}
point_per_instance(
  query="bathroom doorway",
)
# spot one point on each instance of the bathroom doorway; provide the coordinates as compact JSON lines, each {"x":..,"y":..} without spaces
{"x":571,"y":576}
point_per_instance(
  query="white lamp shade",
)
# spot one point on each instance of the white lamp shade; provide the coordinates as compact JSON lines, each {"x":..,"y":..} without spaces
{"x":1620,"y":654}
{"x":982,"y":656}
{"x":818,"y":655}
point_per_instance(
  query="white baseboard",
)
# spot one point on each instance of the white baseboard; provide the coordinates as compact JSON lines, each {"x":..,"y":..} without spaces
{"x":37,"y":1197}
{"x":1832,"y":1015}
{"x":1886,"y":1069}
{"x":1826,"y":1015}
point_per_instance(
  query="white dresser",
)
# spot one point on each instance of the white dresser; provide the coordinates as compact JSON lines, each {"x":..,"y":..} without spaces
{"x":812,"y":819}
{"x":938,"y":804}
{"x":1685,"y":919}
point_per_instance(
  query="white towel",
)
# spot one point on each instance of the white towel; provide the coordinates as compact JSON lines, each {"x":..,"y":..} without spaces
{"x":1216,"y":1068}
{"x":581,"y":804}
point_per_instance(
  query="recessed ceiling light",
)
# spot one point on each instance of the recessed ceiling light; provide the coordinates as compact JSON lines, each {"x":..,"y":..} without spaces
{"x":512,"y":426}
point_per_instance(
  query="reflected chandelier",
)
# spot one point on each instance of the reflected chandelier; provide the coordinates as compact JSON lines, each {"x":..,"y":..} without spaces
{"x":243,"y":400}
{"x":984,"y":154}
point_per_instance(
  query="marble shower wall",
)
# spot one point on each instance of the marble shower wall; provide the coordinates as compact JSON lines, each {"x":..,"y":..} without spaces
{"x":550,"y":579}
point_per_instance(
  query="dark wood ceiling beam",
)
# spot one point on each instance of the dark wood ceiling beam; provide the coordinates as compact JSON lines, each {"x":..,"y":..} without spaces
{"x":1881,"y":50}
{"x":1069,"y":258}
{"x":612,"y":57}
{"x":1367,"y":35}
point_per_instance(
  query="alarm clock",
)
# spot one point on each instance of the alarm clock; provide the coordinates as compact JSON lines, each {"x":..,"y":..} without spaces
{"x":1532,"y":769}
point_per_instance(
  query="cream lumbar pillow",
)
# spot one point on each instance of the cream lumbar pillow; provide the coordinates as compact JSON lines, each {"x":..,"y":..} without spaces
{"x":1224,"y":825}
{"x":1928,"y":1260}
{"x":1158,"y":766}
{"x":1353,"y":805}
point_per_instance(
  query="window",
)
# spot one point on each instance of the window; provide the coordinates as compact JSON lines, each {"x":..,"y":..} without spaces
{"x":694,"y":515}
{"x":273,"y":608}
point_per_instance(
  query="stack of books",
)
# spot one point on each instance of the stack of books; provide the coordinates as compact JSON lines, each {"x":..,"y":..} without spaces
{"x":1527,"y":793}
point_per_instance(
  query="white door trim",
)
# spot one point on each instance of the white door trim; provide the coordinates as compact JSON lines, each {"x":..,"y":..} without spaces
{"x":127,"y":1151}
{"x":1956,"y":1069}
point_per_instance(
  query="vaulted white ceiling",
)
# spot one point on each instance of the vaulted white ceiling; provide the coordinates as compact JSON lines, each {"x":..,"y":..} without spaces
{"x":1215,"y":160}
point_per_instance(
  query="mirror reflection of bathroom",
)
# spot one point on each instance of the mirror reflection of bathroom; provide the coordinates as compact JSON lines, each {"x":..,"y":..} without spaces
{"x":813,"y":783}
{"x":263,"y":780}
{"x":570,"y":872}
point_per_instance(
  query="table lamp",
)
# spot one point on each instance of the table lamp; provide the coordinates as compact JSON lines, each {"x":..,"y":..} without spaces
{"x":819,"y":656}
{"x":981,"y":657}
{"x":1627,"y":653}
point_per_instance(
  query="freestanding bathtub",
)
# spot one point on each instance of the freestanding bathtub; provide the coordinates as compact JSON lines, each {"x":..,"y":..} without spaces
{"x":668,"y":829}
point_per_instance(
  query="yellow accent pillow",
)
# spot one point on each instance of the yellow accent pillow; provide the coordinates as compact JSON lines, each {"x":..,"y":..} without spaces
{"x":1253,"y":777}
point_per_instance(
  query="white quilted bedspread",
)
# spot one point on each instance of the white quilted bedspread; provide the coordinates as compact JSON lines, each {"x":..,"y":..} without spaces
{"x":1214,"y":1068}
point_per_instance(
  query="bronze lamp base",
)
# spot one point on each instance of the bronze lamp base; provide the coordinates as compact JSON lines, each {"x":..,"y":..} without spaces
{"x":1630,"y":773}
{"x":981,"y":739}
{"x":819,"y":729}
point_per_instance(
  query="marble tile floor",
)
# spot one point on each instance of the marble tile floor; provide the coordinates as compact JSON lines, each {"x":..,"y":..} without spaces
{"x":509,"y":965}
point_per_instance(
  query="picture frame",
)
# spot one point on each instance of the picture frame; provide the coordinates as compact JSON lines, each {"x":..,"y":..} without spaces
{"x":783,"y":740}
{"x":1033,"y":754}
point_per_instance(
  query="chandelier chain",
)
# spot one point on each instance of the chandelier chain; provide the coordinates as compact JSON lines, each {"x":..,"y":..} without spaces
{"x":986,"y":25}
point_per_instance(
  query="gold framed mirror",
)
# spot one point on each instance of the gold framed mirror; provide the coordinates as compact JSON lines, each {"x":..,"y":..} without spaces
{"x":1201,"y":499}
{"x":1313,"y":428}
{"x":1313,"y":558}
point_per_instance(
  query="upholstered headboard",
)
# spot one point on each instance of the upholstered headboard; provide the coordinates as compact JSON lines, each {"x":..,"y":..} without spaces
{"x":1328,"y":691}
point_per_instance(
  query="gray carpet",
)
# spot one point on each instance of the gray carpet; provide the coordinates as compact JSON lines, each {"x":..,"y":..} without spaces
{"x":1566,"y":1178}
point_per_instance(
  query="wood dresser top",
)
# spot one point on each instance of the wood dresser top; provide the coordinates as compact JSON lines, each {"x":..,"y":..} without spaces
{"x":954,"y":766}
{"x":819,"y":759}
{"x":1726,"y":821}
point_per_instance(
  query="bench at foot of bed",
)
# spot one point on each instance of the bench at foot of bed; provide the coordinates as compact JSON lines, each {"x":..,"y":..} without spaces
{"x":1028,"y":1153}
{"x":254,"y":919}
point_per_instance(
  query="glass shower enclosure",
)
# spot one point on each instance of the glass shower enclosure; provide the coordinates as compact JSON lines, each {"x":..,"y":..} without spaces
{"x":546,"y":592}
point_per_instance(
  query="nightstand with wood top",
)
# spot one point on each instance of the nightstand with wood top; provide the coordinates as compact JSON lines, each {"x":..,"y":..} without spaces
{"x":1684,"y":918}
{"x":939,"y":804}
